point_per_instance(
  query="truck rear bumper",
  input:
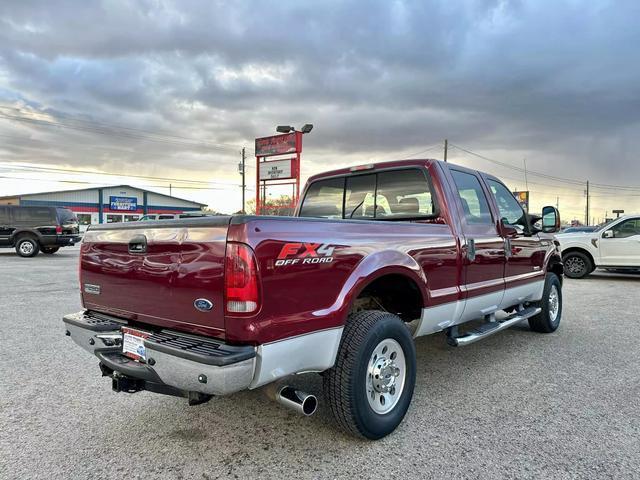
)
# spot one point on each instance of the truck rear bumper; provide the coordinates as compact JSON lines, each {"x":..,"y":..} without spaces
{"x":187,"y":363}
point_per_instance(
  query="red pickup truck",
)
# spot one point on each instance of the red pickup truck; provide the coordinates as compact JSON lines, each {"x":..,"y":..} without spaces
{"x":375,"y":256}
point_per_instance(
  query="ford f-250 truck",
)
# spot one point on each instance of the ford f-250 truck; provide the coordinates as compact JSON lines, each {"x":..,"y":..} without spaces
{"x":375,"y":256}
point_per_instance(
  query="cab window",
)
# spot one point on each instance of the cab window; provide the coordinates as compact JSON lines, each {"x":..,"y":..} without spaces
{"x":628,"y":228}
{"x":403,"y":193}
{"x":391,"y":195}
{"x":324,"y":199}
{"x":511,"y":211}
{"x":359,"y":197}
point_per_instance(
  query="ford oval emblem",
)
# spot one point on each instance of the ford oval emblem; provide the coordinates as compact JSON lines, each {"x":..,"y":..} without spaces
{"x":203,"y":304}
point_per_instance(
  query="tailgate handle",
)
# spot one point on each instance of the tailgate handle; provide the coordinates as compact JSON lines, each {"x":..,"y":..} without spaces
{"x":138,"y":244}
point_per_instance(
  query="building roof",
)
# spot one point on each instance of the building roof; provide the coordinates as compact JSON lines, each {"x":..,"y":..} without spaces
{"x":105,"y":186}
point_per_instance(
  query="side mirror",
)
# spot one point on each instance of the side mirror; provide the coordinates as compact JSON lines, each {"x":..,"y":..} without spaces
{"x":550,"y":219}
{"x":607,"y":234}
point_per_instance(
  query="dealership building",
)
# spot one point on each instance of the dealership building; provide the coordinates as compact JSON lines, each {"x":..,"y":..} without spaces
{"x":122,"y":203}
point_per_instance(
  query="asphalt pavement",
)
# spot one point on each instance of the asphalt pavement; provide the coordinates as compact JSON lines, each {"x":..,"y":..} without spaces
{"x":517,"y":405}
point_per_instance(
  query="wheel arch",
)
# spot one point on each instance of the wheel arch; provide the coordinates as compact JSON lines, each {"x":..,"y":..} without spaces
{"x":582,"y":250}
{"x":387,"y":272}
{"x":25,"y":232}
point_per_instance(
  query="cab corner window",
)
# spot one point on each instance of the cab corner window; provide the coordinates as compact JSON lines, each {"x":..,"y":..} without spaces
{"x":323,"y":199}
{"x":474,"y":202}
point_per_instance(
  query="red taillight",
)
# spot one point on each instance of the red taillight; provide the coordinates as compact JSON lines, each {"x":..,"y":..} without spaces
{"x":240,"y":279}
{"x":58,"y":230}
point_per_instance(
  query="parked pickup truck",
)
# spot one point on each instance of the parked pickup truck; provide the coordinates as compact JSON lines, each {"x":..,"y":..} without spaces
{"x":375,"y":256}
{"x":614,"y":246}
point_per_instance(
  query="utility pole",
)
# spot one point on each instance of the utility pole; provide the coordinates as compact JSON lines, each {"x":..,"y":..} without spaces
{"x":558,"y":203}
{"x":526,"y":180}
{"x":242,"y":171}
{"x":587,"y":213}
{"x":446,"y":148}
{"x":170,"y":190}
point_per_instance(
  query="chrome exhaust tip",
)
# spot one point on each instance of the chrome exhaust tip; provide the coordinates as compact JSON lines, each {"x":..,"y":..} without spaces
{"x":301,"y":402}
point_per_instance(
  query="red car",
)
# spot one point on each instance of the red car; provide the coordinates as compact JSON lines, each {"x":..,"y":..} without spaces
{"x":376,"y":256}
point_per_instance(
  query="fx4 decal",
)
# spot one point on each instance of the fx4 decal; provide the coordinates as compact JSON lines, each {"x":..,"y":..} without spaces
{"x":304,"y":253}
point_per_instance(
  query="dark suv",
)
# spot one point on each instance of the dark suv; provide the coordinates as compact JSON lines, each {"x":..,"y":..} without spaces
{"x":31,"y":229}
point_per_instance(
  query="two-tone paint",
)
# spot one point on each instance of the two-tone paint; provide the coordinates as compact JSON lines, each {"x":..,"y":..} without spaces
{"x":184,"y":261}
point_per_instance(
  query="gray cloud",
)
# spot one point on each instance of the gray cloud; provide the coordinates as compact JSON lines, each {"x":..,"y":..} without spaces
{"x":557,"y":82}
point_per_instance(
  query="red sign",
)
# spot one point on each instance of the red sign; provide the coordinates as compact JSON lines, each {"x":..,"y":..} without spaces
{"x":277,"y":145}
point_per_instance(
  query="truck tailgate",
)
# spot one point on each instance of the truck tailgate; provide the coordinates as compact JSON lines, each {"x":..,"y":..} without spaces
{"x":155,"y":272}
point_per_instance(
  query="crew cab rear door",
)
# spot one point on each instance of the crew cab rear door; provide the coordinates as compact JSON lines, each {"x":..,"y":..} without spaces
{"x":483,"y":247}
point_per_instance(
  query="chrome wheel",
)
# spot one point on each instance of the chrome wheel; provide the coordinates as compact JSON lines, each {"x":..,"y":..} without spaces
{"x":26,"y":248}
{"x":575,"y":265}
{"x":554,"y":303}
{"x":386,"y":374}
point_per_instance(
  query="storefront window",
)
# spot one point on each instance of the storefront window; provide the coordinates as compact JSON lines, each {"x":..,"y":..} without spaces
{"x":84,"y":218}
{"x":131,"y":218}
{"x":111,"y":218}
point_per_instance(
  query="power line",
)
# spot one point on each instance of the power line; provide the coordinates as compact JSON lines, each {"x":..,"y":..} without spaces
{"x":519,"y":169}
{"x":89,"y":172}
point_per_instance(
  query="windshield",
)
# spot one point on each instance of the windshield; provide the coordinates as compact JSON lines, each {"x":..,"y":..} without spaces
{"x":602,"y":226}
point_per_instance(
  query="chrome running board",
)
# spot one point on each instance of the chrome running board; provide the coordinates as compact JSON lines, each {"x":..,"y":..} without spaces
{"x":489,"y":328}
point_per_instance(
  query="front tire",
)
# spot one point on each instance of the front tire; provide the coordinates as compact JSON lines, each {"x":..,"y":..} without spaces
{"x":548,"y":320}
{"x":577,"y":265}
{"x":27,"y":247}
{"x":369,"y":389}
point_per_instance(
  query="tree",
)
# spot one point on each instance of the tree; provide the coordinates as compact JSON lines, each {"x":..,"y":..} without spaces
{"x":281,"y":205}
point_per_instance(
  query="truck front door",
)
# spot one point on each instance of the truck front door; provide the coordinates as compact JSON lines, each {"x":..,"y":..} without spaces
{"x":484,"y":254}
{"x":524,"y":268}
{"x":620,"y":244}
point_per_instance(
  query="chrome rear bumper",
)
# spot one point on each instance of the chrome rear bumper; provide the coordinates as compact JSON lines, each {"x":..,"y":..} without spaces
{"x":184,"y":362}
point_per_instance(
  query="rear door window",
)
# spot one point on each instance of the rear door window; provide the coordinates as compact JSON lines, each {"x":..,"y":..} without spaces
{"x":474,"y":202}
{"x":36,"y":216}
{"x":4,"y":216}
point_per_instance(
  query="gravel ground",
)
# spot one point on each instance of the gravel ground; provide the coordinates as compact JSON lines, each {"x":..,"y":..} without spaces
{"x":517,"y":405}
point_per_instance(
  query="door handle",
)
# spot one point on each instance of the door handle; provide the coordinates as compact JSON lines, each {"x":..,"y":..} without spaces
{"x":471,"y":249}
{"x":138,"y":244}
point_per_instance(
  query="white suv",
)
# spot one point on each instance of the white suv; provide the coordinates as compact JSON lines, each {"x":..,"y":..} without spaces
{"x":615,"y":245}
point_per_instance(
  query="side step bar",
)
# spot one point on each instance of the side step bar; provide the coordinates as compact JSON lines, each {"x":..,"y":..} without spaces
{"x":489,"y":328}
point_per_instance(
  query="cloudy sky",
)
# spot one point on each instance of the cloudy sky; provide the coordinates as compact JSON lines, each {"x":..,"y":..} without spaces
{"x":174,"y":89}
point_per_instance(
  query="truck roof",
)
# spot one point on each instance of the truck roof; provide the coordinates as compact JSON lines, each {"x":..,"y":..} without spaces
{"x":373,"y":166}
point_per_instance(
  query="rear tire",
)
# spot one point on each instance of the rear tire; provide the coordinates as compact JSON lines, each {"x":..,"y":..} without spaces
{"x":50,"y":250}
{"x":370,"y":387}
{"x":548,"y":320}
{"x":577,"y":265}
{"x":27,"y":246}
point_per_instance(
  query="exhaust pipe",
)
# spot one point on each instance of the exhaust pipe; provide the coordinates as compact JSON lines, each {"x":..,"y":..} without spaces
{"x":301,"y":402}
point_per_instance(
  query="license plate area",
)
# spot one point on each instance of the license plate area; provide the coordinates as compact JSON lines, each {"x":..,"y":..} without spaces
{"x":133,"y":343}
